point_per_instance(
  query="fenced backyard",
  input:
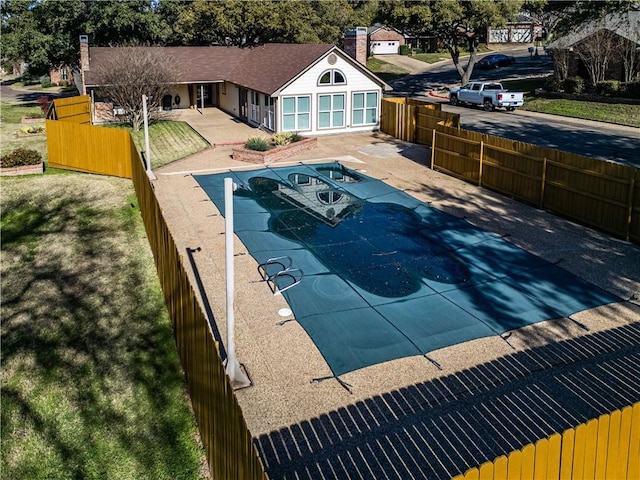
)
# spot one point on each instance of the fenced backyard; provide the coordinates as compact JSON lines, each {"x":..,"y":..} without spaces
{"x":230,"y":449}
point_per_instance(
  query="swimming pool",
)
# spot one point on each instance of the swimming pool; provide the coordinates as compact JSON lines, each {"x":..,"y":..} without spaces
{"x":383,"y":275}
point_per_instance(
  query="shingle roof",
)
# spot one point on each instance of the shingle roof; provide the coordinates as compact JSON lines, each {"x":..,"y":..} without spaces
{"x":268,"y":67}
{"x":264,"y":68}
{"x":623,"y":24}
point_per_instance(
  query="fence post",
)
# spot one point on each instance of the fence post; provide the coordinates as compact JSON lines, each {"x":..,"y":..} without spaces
{"x":433,"y":148}
{"x":632,"y":185}
{"x":544,"y":181}
{"x":480,"y":169}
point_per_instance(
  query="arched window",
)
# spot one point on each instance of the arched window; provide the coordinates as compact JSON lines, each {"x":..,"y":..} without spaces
{"x":332,"y":77}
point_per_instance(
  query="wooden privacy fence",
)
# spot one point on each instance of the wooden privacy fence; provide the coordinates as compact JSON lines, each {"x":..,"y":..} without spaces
{"x":226,"y":438}
{"x":71,"y":109}
{"x":90,"y":149}
{"x":604,"y":448}
{"x":228,"y":443}
{"x":413,"y":120}
{"x":599,"y":194}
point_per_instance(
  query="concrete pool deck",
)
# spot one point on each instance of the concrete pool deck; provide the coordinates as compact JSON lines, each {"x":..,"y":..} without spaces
{"x":282,"y":361}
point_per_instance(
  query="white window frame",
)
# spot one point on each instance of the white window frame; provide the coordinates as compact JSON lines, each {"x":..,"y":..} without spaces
{"x":269,"y":113}
{"x":332,"y":77}
{"x":296,"y":113}
{"x":333,"y":110}
{"x":364,"y":108}
{"x":254,"y":106}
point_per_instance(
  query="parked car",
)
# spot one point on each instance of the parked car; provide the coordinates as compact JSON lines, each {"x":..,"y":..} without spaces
{"x":488,"y":94}
{"x":495,"y":60}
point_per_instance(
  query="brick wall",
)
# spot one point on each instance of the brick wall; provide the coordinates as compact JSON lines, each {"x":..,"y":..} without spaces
{"x":274,"y":155}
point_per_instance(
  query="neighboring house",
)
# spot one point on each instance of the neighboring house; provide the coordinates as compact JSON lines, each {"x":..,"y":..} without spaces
{"x":384,"y":40}
{"x":306,"y":88}
{"x":523,"y":30}
{"x":623,"y":29}
{"x":61,"y":76}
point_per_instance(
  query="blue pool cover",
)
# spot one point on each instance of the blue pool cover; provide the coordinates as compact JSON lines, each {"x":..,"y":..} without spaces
{"x":385,"y":275}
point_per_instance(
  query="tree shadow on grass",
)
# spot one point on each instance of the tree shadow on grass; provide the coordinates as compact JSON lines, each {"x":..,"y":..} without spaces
{"x":91,"y":373}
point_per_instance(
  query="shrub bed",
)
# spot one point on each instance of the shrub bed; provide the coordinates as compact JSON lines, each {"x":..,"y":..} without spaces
{"x":21,"y":162}
{"x":274,"y":154}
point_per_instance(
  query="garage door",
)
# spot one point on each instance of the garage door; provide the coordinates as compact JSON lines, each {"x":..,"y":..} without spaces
{"x":385,"y":47}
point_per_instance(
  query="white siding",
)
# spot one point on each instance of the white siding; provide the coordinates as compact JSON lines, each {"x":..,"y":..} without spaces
{"x":229,"y":102}
{"x":307,"y":84}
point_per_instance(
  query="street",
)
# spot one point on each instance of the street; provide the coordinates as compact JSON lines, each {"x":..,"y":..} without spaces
{"x":591,"y":139}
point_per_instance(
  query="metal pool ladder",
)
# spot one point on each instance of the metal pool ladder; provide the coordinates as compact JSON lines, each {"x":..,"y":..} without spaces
{"x":294,"y":275}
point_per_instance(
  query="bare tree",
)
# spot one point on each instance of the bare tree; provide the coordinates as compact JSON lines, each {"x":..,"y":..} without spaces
{"x":560,"y":63}
{"x":629,"y":50}
{"x":597,"y":51}
{"x":128,"y":73}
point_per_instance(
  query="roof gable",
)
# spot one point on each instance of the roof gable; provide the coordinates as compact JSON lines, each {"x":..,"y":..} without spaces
{"x":623,"y":24}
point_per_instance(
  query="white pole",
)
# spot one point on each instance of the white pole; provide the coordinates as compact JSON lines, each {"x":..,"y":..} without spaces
{"x":202,"y":97}
{"x":147,"y":153}
{"x":237,"y":377}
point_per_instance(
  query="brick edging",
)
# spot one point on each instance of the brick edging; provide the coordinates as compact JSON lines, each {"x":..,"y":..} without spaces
{"x":275,"y":154}
{"x":23,"y":170}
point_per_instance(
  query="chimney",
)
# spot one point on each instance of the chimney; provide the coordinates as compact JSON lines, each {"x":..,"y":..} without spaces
{"x":84,"y":61}
{"x":355,"y":44}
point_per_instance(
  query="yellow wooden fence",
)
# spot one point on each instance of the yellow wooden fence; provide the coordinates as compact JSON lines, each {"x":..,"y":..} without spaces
{"x":599,"y":194}
{"x":604,"y":448}
{"x":71,"y":109}
{"x":413,"y":120}
{"x":227,"y":440}
{"x":90,"y":149}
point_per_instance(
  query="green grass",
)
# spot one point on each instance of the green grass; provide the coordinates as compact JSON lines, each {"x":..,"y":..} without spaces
{"x":10,"y":116}
{"x":386,"y":71}
{"x":616,"y":113}
{"x":432,"y":57}
{"x":170,"y":141}
{"x":619,"y":114}
{"x":91,"y":384}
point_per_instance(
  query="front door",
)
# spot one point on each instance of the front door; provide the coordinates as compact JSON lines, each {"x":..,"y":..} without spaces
{"x":243,"y":104}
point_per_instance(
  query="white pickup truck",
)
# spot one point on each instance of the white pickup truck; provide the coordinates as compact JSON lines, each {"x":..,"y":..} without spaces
{"x":488,"y":94}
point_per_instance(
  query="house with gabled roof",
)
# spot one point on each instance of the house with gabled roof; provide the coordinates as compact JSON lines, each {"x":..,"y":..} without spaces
{"x":311,"y":89}
{"x":622,"y":28}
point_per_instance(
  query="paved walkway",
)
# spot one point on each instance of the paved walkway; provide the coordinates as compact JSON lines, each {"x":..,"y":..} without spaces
{"x":406,"y":418}
{"x":217,"y":127}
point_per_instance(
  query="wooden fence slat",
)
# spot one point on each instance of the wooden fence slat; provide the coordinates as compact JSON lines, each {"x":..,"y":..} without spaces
{"x":633,"y":470}
{"x":528,"y":461}
{"x":590,"y":449}
{"x":613,"y":446}
{"x":555,"y":449}
{"x":541,"y":460}
{"x":486,"y":471}
{"x":602,"y":446}
{"x":567,"y":454}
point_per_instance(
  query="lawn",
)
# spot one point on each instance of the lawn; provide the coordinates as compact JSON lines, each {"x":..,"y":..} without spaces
{"x":91,"y":382}
{"x":616,"y":113}
{"x":10,"y":116}
{"x":170,"y":141}
{"x":386,"y":71}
